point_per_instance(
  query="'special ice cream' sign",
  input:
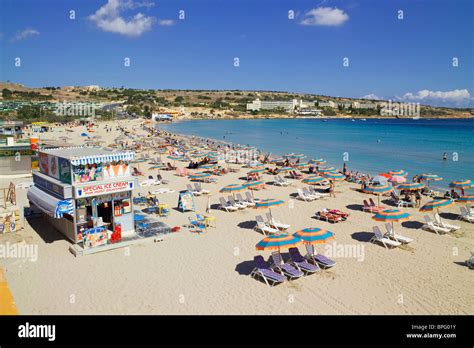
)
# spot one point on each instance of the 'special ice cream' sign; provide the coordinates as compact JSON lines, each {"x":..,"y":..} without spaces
{"x":95,"y":190}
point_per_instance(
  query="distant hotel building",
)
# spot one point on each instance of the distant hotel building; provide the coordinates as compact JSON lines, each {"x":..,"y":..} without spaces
{"x":287,"y":105}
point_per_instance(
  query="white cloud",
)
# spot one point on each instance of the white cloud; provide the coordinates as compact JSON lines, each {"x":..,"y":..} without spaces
{"x":371,"y":96}
{"x":456,"y":97}
{"x":110,"y":18}
{"x":327,"y":16}
{"x":25,"y":34}
{"x":166,"y":22}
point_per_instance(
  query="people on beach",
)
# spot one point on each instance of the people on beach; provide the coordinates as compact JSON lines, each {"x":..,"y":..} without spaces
{"x":332,"y":193}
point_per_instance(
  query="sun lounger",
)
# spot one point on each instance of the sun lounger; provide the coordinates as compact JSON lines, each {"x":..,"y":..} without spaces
{"x":263,"y":270}
{"x":285,"y":268}
{"x":198,"y":187}
{"x":263,"y":227}
{"x":367,"y":207}
{"x":386,"y":242}
{"x":275,"y":223}
{"x":443,"y":224}
{"x":328,"y":217}
{"x":197,"y":223}
{"x":242,"y":200}
{"x":226,"y":205}
{"x":390,"y":234}
{"x":300,"y":262}
{"x":431,"y":226}
{"x":400,"y":202}
{"x":307,"y":193}
{"x":376,"y":207}
{"x":249,"y":197}
{"x":317,"y":194}
{"x":302,"y":196}
{"x":192,"y":190}
{"x":318,"y":259}
{"x":465,"y":215}
{"x":232,"y":201}
{"x":280,"y":181}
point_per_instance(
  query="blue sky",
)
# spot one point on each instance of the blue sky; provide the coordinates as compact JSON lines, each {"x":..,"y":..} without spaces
{"x":410,"y":58}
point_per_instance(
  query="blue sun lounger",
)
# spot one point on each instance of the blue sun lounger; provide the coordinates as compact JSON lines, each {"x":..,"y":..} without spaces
{"x":263,"y":270}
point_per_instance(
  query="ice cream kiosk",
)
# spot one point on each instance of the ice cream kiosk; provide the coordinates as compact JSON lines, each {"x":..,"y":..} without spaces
{"x":86,"y":194}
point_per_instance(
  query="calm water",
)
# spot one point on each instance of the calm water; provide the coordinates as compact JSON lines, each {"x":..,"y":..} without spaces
{"x":372,"y":146}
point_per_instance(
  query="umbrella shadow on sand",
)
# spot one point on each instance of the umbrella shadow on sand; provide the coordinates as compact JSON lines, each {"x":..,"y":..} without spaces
{"x":247,"y":224}
{"x":362,"y":236}
{"x":412,"y":224}
{"x":355,"y":207}
{"x":449,"y":216}
{"x":245,"y":267}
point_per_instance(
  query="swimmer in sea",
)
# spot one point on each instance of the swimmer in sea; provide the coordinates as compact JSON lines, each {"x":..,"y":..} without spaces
{"x":445,"y":156}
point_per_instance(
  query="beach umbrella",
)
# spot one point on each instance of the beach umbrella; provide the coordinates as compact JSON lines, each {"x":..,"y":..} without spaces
{"x":255,"y":164}
{"x":275,"y":160}
{"x":313,"y":180}
{"x":430,"y":177}
{"x":391,"y":215}
{"x":198,"y":176}
{"x":84,"y":135}
{"x":380,"y":179}
{"x":252,"y":185}
{"x":277,"y":242}
{"x":385,"y":175}
{"x":465,"y":199}
{"x":208,"y":166}
{"x":436,"y":204}
{"x":285,"y":169}
{"x":333,"y":176}
{"x":378,"y":190}
{"x":411,"y":186}
{"x":158,"y":166}
{"x":232,"y":188}
{"x":301,"y":165}
{"x":397,"y":179}
{"x":461,"y":184}
{"x":317,"y":161}
{"x":314,"y":235}
{"x":268,"y":203}
{"x":399,"y":172}
{"x":326,"y":169}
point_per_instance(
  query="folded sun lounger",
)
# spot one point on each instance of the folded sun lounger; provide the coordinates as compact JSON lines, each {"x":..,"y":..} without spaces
{"x":263,"y":270}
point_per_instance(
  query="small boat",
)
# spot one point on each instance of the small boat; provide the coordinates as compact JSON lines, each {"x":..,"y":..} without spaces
{"x":363,"y":119}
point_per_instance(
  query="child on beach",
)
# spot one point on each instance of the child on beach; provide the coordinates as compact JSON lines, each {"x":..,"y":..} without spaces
{"x":332,"y":193}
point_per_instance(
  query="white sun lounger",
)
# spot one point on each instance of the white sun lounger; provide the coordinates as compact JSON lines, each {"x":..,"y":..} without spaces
{"x":441,"y":223}
{"x":263,"y":227}
{"x":430,"y":226}
{"x":386,"y":242}
{"x":303,"y":197}
{"x":465,"y":215}
{"x":275,"y":223}
{"x":244,"y":201}
{"x":232,"y":201}
{"x":192,"y":190}
{"x":397,"y":237}
{"x":226,"y":205}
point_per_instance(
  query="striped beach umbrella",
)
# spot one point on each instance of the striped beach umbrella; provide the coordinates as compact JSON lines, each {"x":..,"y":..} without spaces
{"x":175,"y":158}
{"x":333,"y":175}
{"x":431,"y":177}
{"x":317,"y":161}
{"x":378,"y":190}
{"x":314,"y":235}
{"x":461,"y":184}
{"x":391,"y":215}
{"x":313,"y":180}
{"x":285,"y":169}
{"x":436,"y":204}
{"x":294,"y":155}
{"x":198,"y":176}
{"x":275,"y":160}
{"x":278,"y":242}
{"x":465,"y":199}
{"x":253,"y":185}
{"x":397,"y":179}
{"x":208,"y":166}
{"x":411,"y":186}
{"x":268,"y":203}
{"x":232,"y":188}
{"x":399,"y":172}
{"x":326,"y":169}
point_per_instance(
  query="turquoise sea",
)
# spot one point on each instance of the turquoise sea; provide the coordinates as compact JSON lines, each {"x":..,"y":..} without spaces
{"x":371,"y":146}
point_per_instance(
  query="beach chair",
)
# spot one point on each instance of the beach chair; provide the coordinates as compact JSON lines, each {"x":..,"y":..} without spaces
{"x":192,"y":190}
{"x":285,"y":268}
{"x":307,"y":193}
{"x":275,"y":223}
{"x":367,"y":207}
{"x":318,"y":259}
{"x":226,"y":205}
{"x":390,"y":234}
{"x":431,"y":226}
{"x":197,"y":223}
{"x":281,"y":182}
{"x":303,"y":197}
{"x":443,"y":224}
{"x":198,"y":187}
{"x":328,"y":217}
{"x":249,"y":197}
{"x":263,"y":227}
{"x":386,"y":242}
{"x":232,"y":201}
{"x":316,"y":193}
{"x":376,"y":207}
{"x":301,"y":263}
{"x":263,"y":270}
{"x":240,"y":199}
{"x":465,"y":215}
{"x":400,"y":202}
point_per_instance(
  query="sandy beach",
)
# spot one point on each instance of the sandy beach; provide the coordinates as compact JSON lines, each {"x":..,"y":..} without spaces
{"x":209,"y":273}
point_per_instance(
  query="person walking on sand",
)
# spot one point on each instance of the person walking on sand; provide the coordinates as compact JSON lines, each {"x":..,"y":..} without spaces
{"x":417,"y":198}
{"x":332,"y":193}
